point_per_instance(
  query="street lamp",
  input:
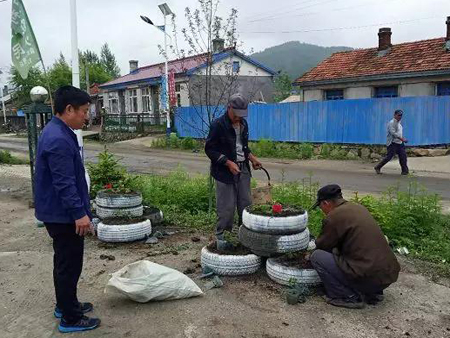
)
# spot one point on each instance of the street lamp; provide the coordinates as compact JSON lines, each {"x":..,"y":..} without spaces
{"x":165,"y":9}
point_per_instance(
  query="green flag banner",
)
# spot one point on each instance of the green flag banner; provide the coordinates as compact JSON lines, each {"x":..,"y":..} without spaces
{"x":24,"y":48}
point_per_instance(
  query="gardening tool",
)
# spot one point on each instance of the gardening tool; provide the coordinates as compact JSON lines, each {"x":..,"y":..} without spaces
{"x":263,"y":195}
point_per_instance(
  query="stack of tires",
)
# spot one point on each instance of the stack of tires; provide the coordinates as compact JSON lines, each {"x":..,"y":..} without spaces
{"x":121,"y":206}
{"x":273,"y":236}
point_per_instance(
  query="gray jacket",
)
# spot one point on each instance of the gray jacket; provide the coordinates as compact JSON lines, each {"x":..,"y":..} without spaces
{"x":394,"y":132}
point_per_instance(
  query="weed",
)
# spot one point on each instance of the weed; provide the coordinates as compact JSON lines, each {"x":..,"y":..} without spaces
{"x":7,"y":158}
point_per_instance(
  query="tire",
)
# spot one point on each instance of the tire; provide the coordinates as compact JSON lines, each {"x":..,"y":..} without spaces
{"x":230,"y":265}
{"x":284,"y":275}
{"x":109,"y":200}
{"x":275,"y":225}
{"x":124,"y":233}
{"x":268,"y":245}
{"x":103,"y":213}
{"x":156,"y":217}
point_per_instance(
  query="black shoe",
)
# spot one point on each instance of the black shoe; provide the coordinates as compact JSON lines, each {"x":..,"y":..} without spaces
{"x":349,"y":303}
{"x":85,"y":308}
{"x":377,"y":170}
{"x":84,"y":324}
{"x":404,"y":173}
{"x":374,"y":298}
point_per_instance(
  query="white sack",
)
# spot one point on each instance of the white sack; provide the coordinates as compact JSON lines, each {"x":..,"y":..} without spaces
{"x":143,"y":281}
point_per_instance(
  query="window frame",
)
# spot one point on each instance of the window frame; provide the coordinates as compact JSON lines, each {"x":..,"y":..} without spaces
{"x":445,"y":91}
{"x":386,"y":94}
{"x":236,"y":66}
{"x":145,"y":98}
{"x":334,"y":94}
{"x":133,"y":100}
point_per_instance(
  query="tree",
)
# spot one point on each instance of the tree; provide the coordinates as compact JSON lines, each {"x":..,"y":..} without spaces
{"x":108,"y":61}
{"x":283,"y":87}
{"x":60,"y":74}
{"x":21,"y":95}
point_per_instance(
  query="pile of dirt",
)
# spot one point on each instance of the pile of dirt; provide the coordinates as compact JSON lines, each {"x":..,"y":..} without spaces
{"x":295,"y":260}
{"x":238,"y":249}
{"x":123,"y":220}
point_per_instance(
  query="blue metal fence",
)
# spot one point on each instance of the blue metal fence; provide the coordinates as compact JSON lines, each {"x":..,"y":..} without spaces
{"x":426,"y":120}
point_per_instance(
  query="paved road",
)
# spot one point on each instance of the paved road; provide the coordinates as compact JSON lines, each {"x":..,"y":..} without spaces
{"x":352,"y":176}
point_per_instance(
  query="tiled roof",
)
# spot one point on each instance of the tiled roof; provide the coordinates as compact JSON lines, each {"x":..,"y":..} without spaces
{"x":410,"y":57}
{"x":156,"y":70}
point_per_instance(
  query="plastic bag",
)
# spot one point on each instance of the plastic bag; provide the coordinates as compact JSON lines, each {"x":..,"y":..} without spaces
{"x":143,"y":281}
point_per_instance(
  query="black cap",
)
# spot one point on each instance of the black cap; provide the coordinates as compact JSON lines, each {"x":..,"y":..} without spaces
{"x":327,"y":192}
{"x":398,"y":112}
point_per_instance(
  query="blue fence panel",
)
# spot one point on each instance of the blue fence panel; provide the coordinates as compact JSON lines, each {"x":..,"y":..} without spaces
{"x":426,"y":120}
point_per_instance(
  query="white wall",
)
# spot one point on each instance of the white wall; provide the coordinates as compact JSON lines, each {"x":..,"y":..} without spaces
{"x":417,"y":89}
{"x":358,"y":93}
{"x":224,"y":67}
{"x":313,"y":95}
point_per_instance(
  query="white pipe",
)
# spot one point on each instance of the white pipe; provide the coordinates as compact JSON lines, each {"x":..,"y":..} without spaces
{"x":167,"y":74}
{"x":75,"y":62}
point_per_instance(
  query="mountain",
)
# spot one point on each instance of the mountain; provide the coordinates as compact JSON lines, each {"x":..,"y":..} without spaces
{"x":295,"y":58}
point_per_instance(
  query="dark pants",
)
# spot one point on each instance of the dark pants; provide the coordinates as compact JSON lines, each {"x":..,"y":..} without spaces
{"x":337,"y":285}
{"x":393,"y":149}
{"x":67,"y":265}
{"x":232,"y":197}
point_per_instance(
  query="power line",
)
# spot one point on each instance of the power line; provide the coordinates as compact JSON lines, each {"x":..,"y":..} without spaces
{"x":342,"y":28}
{"x":292,"y":10}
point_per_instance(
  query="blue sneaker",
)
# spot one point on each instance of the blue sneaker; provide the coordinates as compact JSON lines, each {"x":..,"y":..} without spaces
{"x":85,"y":308}
{"x":84,"y":324}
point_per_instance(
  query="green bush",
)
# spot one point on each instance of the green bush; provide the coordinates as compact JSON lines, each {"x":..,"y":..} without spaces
{"x":107,"y":173}
{"x":174,"y":142}
{"x":7,"y":158}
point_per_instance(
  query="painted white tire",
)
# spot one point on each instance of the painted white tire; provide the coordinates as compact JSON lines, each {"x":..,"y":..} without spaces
{"x":103,"y":213}
{"x":267,"y":245}
{"x":108,"y":200}
{"x":275,"y":225}
{"x":285,"y":275}
{"x":154,"y":217}
{"x":230,"y":265}
{"x":124,"y":233}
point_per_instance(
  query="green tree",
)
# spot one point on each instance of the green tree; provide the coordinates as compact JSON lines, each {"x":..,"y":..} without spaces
{"x":108,"y":61}
{"x":60,"y":74}
{"x":23,"y":86}
{"x":283,"y":87}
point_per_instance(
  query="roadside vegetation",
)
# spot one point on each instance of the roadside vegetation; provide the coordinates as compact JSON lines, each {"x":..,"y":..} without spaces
{"x":411,"y":218}
{"x":267,"y":148}
{"x":7,"y":158}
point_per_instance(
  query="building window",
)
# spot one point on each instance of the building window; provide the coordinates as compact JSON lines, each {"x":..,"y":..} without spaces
{"x":177,"y":87}
{"x":178,"y":100}
{"x":113,"y":102}
{"x":334,"y":94}
{"x":132,"y":94}
{"x":236,"y":66}
{"x":145,"y":99}
{"x":391,"y":91}
{"x":443,"y":88}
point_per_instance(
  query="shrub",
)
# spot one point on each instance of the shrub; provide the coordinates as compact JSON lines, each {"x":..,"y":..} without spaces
{"x":7,"y":158}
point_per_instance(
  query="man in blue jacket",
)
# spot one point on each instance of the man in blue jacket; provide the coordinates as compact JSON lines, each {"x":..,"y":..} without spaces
{"x":62,"y":203}
{"x":227,"y":148}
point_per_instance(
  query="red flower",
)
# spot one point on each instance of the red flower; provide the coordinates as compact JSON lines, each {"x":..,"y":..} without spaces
{"x":277,"y":208}
{"x":108,"y":186}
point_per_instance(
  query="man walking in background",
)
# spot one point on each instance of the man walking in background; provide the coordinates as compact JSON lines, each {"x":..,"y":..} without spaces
{"x":62,"y":203}
{"x":395,"y":144}
{"x":227,"y":148}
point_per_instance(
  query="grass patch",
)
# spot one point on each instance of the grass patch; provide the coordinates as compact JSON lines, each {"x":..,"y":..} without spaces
{"x":7,"y":158}
{"x":174,"y":142}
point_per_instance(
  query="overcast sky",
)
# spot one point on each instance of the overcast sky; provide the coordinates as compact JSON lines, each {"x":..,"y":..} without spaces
{"x":261,"y":24}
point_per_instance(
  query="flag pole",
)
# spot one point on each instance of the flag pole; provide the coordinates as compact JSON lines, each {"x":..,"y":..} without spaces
{"x":75,"y":63}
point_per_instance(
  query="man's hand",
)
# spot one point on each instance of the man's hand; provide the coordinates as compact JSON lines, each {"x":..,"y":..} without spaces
{"x":233,"y":167}
{"x":404,"y":140}
{"x":255,"y":162}
{"x":83,"y":226}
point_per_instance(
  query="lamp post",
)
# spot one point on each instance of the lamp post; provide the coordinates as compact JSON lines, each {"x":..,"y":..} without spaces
{"x":165,"y":9}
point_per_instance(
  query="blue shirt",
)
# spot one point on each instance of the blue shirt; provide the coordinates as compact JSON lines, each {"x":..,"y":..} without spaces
{"x":60,"y":189}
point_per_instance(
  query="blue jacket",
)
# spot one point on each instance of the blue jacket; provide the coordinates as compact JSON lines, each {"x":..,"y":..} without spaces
{"x":60,"y":189}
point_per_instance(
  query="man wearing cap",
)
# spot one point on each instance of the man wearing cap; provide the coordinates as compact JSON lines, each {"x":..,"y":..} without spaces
{"x":352,"y":256}
{"x":395,"y":144}
{"x":227,"y":148}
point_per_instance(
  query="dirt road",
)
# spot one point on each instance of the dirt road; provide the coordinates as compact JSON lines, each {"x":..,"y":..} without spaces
{"x":250,"y":306}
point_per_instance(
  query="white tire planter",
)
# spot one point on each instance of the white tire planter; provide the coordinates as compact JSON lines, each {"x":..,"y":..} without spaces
{"x":267,"y":245}
{"x":124,"y":233}
{"x":103,"y":212}
{"x":275,"y":225}
{"x":230,"y":265}
{"x":109,"y":200}
{"x":285,"y":275}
